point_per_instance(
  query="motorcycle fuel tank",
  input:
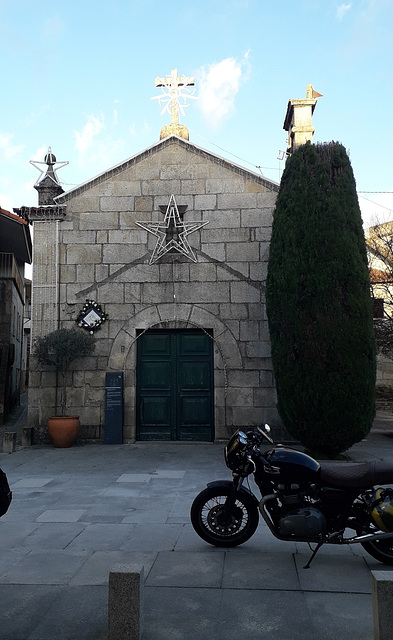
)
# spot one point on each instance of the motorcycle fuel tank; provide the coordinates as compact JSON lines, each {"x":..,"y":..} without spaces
{"x":295,"y":466}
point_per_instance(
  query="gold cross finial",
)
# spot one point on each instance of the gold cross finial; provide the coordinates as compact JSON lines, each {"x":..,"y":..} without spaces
{"x":174,"y":93}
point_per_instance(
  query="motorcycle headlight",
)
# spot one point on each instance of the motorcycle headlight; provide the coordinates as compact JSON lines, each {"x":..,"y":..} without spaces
{"x":236,"y":451}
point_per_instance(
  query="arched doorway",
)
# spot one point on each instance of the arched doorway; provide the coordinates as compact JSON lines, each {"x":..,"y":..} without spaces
{"x":174,"y":385}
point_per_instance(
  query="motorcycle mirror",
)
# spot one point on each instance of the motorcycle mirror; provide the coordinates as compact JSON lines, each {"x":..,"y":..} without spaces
{"x":265,"y":433}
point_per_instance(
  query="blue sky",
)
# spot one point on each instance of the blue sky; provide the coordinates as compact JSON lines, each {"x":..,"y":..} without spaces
{"x":79,"y":77}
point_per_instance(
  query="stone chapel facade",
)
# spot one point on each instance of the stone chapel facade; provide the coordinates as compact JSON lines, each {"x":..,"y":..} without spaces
{"x":172,"y":247}
{"x":186,"y":321}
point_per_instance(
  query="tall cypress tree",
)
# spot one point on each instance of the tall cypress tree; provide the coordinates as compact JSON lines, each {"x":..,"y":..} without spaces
{"x":318,"y":303}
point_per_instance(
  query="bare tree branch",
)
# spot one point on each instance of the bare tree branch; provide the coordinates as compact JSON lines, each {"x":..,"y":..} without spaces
{"x":379,"y":242}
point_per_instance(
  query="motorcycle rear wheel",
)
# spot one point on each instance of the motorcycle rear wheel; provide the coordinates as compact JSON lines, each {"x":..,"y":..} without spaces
{"x":381,"y":550}
{"x":215,"y":525}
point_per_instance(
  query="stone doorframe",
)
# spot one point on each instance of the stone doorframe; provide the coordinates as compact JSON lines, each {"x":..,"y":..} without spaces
{"x":123,"y":354}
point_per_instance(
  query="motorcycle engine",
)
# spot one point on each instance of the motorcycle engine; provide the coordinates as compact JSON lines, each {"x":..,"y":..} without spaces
{"x":304,"y":523}
{"x":297,"y":516}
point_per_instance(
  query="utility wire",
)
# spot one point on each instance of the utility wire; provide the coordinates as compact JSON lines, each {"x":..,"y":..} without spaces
{"x":257,"y":166}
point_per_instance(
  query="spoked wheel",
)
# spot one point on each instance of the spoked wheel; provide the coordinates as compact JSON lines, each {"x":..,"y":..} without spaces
{"x":219,"y":526}
{"x":381,"y":550}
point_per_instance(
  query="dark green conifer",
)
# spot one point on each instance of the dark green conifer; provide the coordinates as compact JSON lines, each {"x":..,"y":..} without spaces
{"x":318,"y":303}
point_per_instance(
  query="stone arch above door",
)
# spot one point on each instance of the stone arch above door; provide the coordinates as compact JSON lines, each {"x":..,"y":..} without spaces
{"x":227,"y":356}
{"x":170,"y":316}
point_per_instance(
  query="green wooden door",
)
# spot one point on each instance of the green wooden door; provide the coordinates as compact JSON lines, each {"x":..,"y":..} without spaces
{"x":175,"y":386}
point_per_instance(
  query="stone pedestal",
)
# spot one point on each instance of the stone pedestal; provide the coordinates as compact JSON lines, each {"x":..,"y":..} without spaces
{"x":382,"y":599}
{"x":125,"y":602}
{"x":9,"y":442}
{"x":27,"y":436}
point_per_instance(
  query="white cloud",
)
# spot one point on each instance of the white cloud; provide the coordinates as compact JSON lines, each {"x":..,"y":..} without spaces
{"x":219,"y":84}
{"x":85,"y":138}
{"x":97,"y":148}
{"x":40,"y":154}
{"x":6,"y":202}
{"x":342,"y":9}
{"x":7,"y":148}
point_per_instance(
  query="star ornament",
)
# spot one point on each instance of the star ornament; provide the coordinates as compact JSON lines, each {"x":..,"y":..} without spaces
{"x":172,"y":233}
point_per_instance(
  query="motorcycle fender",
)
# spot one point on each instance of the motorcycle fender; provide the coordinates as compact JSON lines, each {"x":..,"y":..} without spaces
{"x":228,"y":483}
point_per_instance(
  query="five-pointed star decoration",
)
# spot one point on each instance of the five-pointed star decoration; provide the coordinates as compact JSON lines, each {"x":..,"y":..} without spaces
{"x":172,"y":233}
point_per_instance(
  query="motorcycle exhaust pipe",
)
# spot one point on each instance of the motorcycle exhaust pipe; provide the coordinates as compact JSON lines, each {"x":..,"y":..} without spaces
{"x":369,"y":537}
{"x":266,"y":516}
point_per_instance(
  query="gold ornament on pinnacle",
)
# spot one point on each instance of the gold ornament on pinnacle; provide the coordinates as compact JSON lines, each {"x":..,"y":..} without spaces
{"x":175,"y":93}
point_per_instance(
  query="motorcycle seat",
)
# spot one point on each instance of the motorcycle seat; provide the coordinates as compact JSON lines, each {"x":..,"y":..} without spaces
{"x":366,"y":474}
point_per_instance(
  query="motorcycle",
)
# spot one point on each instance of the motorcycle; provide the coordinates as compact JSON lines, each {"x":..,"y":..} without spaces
{"x":302,"y":500}
{"x":5,"y":493}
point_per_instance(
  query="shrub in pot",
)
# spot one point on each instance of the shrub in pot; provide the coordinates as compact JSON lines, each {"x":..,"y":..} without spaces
{"x":59,"y":348}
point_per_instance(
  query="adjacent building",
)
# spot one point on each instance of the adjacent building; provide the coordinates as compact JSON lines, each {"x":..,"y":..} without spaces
{"x":15,"y":251}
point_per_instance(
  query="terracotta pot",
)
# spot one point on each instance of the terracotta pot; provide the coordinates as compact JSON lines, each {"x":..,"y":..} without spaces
{"x":63,"y":430}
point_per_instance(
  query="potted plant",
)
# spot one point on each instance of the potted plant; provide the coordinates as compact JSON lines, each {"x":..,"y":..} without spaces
{"x":60,"y":348}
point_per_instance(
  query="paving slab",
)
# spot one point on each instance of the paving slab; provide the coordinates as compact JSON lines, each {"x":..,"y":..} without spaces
{"x":50,"y":536}
{"x":95,"y":570}
{"x":263,"y":571}
{"x":278,"y":615}
{"x":339,"y":615}
{"x":330,"y":573}
{"x":71,"y":521}
{"x":83,"y":612}
{"x":24,"y":607}
{"x":182,"y":614}
{"x":152,"y":537}
{"x":187,"y":569}
{"x":61,"y":515}
{"x":44,"y":567}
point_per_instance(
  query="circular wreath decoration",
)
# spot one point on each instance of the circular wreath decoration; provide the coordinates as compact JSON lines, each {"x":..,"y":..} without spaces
{"x":91,"y":316}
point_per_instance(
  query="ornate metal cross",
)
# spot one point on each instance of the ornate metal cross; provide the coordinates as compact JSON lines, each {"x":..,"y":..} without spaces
{"x":173,"y":84}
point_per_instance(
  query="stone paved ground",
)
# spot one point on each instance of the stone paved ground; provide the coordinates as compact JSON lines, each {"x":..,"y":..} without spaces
{"x":78,"y":512}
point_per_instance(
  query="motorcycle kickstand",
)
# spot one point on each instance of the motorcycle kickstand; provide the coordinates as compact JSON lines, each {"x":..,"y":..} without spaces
{"x":314,"y":553}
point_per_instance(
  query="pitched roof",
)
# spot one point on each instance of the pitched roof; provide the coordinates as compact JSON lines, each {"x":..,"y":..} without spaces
{"x":193,"y":148}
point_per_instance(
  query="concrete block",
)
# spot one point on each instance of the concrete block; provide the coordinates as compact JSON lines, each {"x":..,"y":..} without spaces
{"x":27,"y":436}
{"x":9,"y":442}
{"x":382,"y":601}
{"x":125,"y":602}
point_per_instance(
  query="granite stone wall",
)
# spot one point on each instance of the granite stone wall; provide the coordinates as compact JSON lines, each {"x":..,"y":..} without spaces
{"x":104,"y":255}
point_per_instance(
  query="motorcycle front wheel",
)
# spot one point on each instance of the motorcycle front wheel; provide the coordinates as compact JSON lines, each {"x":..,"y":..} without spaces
{"x":381,"y":550}
{"x":221,"y":527}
